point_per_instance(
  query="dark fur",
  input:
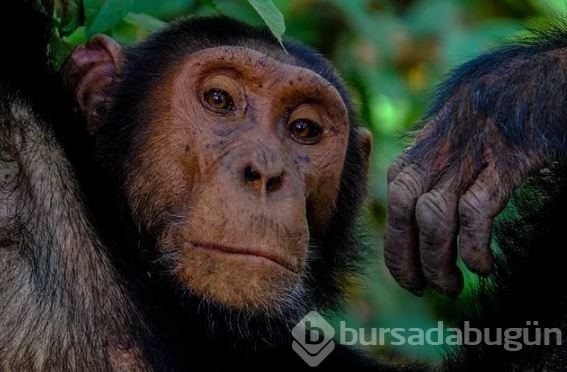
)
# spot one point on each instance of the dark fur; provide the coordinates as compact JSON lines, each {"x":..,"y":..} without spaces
{"x":66,"y":301}
{"x":74,"y":280}
{"x":529,"y":113}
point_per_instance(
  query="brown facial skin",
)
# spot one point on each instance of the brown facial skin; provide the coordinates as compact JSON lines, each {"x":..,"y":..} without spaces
{"x":237,"y":180}
{"x":238,"y":149}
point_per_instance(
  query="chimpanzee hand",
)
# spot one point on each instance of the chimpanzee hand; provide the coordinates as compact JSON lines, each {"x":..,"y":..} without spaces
{"x":498,"y":118}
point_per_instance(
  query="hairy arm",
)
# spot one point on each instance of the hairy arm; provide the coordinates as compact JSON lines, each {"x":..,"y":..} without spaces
{"x":496,"y":119}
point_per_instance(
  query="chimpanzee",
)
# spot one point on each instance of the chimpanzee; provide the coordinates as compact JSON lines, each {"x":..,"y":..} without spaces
{"x":182,"y":204}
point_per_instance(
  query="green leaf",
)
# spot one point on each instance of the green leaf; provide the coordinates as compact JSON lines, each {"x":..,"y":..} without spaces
{"x":164,"y":9}
{"x":271,"y":15}
{"x":66,"y":15}
{"x":145,"y":21}
{"x":79,"y":36}
{"x":92,"y":8}
{"x":110,"y":13}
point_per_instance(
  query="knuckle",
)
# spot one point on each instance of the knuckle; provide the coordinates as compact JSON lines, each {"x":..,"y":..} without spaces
{"x":403,"y":192}
{"x":472,"y":204}
{"x":433,"y":210}
{"x":395,"y":168}
{"x":401,"y":200}
{"x":407,"y":185}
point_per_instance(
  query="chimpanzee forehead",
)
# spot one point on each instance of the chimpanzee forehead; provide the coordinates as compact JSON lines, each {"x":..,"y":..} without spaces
{"x":256,"y":63}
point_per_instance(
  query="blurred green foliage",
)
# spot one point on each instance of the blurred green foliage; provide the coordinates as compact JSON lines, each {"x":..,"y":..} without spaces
{"x":390,"y":53}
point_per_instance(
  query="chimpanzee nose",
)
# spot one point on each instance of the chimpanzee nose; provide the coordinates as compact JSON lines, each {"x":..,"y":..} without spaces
{"x":264,"y":179}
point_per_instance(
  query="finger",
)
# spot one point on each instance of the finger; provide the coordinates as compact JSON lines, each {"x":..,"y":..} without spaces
{"x":477,"y":209}
{"x":401,"y":244}
{"x":436,"y":215}
{"x":396,"y":168}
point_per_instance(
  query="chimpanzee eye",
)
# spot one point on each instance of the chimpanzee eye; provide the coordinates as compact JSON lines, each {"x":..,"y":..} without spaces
{"x":305,"y":131}
{"x":219,"y":100}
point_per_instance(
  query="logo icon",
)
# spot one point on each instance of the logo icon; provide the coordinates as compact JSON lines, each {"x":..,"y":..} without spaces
{"x":313,"y":339}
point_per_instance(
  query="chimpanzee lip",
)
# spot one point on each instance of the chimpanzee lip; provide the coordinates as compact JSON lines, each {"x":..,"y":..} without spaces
{"x":244,"y":251}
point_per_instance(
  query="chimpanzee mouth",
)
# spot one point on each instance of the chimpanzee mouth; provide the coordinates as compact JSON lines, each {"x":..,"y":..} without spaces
{"x":244,"y":251}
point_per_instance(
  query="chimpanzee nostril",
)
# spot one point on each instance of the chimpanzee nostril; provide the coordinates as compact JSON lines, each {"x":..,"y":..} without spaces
{"x":251,"y":174}
{"x":263,"y":180}
{"x":274,"y":184}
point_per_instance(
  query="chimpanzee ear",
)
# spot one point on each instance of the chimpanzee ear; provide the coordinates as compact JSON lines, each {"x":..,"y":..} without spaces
{"x":89,"y":73}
